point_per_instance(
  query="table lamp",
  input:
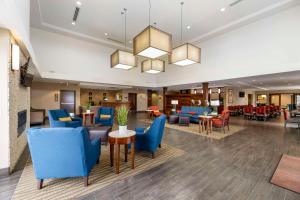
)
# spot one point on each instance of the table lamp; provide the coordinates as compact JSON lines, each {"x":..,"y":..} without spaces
{"x":174,"y":103}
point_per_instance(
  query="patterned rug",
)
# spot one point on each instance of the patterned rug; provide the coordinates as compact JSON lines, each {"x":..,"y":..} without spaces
{"x":102,"y":175}
{"x":217,"y":133}
{"x":287,"y":174}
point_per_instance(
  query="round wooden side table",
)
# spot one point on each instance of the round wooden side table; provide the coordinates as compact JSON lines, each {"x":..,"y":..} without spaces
{"x":205,"y":121}
{"x":116,"y":139}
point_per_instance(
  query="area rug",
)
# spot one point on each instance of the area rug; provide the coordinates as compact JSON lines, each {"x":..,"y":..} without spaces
{"x":287,"y":174}
{"x":102,"y":175}
{"x":194,"y":128}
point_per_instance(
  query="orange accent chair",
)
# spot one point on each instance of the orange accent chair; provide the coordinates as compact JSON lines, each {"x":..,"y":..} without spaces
{"x":155,"y":111}
{"x":222,"y":121}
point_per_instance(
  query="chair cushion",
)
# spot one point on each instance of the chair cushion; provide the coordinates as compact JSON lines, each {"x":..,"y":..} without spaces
{"x":105,"y":116}
{"x":65,"y":119}
{"x":192,"y":113}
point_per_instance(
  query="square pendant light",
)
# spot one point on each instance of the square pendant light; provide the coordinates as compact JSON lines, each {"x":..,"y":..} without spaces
{"x":186,"y":54}
{"x":153,"y":66}
{"x":152,"y":43}
{"x":122,"y":60}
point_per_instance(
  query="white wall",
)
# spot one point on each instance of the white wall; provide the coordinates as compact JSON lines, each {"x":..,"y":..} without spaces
{"x":74,"y":59}
{"x":266,"y":46}
{"x":4,"y":103}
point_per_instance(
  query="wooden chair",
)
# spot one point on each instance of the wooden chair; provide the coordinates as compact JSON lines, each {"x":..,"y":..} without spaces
{"x":222,"y":121}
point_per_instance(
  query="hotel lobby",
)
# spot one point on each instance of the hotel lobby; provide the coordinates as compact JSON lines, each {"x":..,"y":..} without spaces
{"x":150,"y":99}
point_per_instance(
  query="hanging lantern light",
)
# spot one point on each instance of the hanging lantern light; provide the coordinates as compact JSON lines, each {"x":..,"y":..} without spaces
{"x":153,"y":66}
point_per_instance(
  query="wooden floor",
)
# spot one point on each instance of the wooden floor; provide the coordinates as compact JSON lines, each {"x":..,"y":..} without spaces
{"x":237,"y":167}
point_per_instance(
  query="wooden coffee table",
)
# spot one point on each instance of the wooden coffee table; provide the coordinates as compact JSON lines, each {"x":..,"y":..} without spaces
{"x":85,"y":115}
{"x":205,"y":121}
{"x":116,"y":139}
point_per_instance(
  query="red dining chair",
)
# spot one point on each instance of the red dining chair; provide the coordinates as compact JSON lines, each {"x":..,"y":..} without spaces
{"x":222,"y":121}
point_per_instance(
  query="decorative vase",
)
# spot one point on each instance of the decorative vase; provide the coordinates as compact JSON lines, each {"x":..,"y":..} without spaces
{"x":122,"y":129}
{"x":88,"y":111}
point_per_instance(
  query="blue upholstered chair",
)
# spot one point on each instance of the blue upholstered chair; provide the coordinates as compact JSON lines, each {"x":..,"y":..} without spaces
{"x":105,"y":121}
{"x":54,"y":116}
{"x":62,"y":153}
{"x":150,"y":140}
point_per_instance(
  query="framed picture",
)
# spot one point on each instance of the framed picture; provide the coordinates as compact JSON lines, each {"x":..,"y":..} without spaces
{"x":230,"y":96}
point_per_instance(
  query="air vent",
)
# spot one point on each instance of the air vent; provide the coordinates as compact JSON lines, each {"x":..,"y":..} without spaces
{"x":76,"y":14}
{"x":235,"y":3}
{"x":114,"y":40}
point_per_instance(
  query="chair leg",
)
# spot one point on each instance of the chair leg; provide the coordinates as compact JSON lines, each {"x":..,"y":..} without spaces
{"x":159,"y":145}
{"x":153,"y":155}
{"x":97,"y":161}
{"x":86,"y":181}
{"x":224,"y":129}
{"x":228,"y":127}
{"x":284,"y":124}
{"x":40,"y":184}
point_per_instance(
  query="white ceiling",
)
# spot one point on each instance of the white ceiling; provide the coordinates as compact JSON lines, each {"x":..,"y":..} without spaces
{"x":280,"y":81}
{"x":98,"y":17}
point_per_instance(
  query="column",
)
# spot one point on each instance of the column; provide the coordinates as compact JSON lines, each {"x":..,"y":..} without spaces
{"x":205,"y":94}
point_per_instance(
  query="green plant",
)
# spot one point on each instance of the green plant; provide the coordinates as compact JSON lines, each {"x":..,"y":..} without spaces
{"x":88,"y":106}
{"x":122,"y":113}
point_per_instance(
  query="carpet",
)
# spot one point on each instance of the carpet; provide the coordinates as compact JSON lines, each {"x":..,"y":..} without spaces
{"x":217,"y":133}
{"x":287,"y":174}
{"x":102,"y":175}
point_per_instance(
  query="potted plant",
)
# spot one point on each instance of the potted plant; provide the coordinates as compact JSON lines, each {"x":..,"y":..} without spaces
{"x":122,"y":113}
{"x":88,"y":108}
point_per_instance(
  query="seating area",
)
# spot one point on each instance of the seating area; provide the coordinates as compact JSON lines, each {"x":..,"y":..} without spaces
{"x":158,"y":100}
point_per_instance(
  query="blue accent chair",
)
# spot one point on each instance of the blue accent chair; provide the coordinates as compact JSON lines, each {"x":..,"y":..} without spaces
{"x":151,"y":139}
{"x":62,"y":153}
{"x":54,"y":116}
{"x":105,"y":111}
{"x":198,"y":110}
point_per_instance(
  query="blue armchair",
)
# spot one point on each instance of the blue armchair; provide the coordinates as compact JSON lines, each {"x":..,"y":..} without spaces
{"x":103,"y":120}
{"x":54,"y":116}
{"x":62,"y":153}
{"x":150,"y":139}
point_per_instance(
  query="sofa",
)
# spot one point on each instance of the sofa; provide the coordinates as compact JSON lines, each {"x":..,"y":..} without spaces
{"x":62,"y":153}
{"x":150,"y":139}
{"x":54,"y":121}
{"x":105,"y":111}
{"x":193,"y":112}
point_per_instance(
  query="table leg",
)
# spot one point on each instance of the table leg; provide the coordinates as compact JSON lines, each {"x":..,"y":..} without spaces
{"x":132,"y":155}
{"x":210,"y":126}
{"x":117,"y":158}
{"x":92,"y":119}
{"x":126,"y":151}
{"x":200,"y":127}
{"x":111,"y":154}
{"x":84,"y":120}
{"x":207,"y":126}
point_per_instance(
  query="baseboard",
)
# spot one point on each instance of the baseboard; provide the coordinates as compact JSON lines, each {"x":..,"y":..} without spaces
{"x":4,"y":172}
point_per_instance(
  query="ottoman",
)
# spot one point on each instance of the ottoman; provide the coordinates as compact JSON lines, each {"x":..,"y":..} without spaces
{"x":173,"y":119}
{"x":184,"y":121}
{"x":99,"y":130}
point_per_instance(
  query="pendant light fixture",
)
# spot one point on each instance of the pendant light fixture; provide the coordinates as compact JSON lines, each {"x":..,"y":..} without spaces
{"x":185,"y":54}
{"x":152,"y":42}
{"x":123,"y":59}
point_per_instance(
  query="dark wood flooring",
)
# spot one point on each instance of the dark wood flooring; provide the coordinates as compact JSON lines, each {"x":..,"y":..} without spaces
{"x":237,"y":167}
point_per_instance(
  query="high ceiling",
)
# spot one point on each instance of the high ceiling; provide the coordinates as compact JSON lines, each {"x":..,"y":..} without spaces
{"x":99,"y":17}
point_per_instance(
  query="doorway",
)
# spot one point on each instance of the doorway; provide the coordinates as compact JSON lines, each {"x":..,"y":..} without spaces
{"x":275,"y":99}
{"x":68,"y":100}
{"x":250,"y":99}
{"x":132,"y":98}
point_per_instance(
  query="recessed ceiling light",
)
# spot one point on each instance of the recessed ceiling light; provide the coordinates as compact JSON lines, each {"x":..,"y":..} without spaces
{"x":106,"y":34}
{"x":130,"y":42}
{"x":254,"y":80}
{"x":188,"y":27}
{"x":73,"y":23}
{"x":223,"y":9}
{"x":78,"y":3}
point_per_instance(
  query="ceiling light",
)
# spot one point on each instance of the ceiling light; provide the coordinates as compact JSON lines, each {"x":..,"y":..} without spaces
{"x":78,"y":3}
{"x":153,"y":66}
{"x":152,"y":42}
{"x":106,"y":34}
{"x":223,"y":9}
{"x":73,"y":23}
{"x":186,"y":54}
{"x":130,"y":42}
{"x":188,"y":27}
{"x":253,"y":80}
{"x":122,"y":59}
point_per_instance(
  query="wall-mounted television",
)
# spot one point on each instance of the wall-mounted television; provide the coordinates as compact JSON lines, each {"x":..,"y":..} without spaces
{"x":241,"y":94}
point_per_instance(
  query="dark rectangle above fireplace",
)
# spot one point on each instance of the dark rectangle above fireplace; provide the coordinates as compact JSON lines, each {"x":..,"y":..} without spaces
{"x":22,"y":120}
